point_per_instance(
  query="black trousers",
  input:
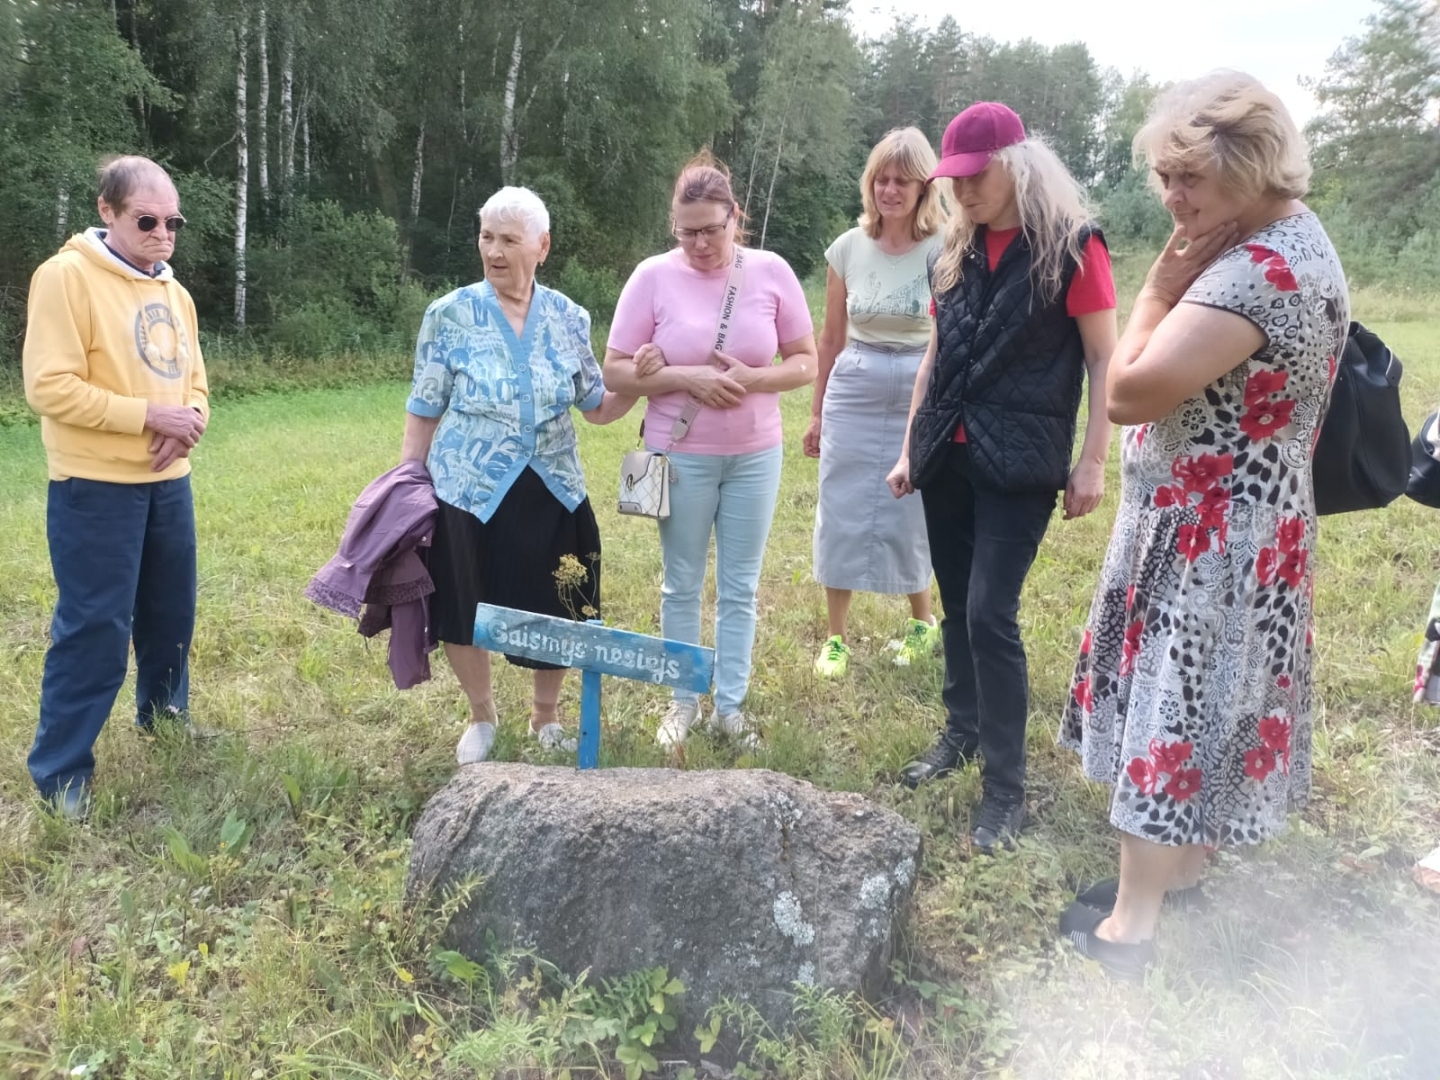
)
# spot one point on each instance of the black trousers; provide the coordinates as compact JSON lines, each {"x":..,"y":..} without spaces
{"x":982,"y":545}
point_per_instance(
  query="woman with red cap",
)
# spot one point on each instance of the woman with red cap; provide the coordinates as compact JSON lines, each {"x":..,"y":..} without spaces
{"x":1024,"y":307}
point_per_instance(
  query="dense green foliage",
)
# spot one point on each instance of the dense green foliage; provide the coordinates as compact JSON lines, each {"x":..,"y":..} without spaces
{"x":358,"y":137}
{"x":1376,"y":153}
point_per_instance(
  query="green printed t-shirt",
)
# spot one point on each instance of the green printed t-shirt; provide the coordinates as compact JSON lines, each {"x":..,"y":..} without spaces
{"x":887,"y":297}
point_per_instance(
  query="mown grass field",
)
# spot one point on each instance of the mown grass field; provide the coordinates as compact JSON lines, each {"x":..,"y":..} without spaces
{"x":233,"y":909}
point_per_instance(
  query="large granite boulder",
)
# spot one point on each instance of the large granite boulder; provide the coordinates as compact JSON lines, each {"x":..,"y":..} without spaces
{"x":741,"y":883}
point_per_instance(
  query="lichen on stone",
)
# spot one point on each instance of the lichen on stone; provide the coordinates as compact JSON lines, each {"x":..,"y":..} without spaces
{"x":789,"y":919}
{"x":784,"y":812}
{"x":874,"y":891}
{"x":806,"y":974}
{"x":905,"y":871}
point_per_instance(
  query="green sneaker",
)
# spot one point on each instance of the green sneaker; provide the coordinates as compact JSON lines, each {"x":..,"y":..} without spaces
{"x":834,"y":658}
{"x":921,"y":641}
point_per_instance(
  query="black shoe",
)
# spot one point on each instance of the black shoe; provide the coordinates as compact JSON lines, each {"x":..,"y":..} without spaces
{"x":1101,"y":896}
{"x":997,"y":824}
{"x":940,"y":760}
{"x":1077,"y":926}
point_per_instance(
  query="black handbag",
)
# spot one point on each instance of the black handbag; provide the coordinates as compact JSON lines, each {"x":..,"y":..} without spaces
{"x":1362,"y":458}
{"x":1424,"y":485}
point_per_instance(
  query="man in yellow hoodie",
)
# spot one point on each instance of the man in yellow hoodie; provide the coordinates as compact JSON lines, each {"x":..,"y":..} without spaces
{"x":112,"y":365}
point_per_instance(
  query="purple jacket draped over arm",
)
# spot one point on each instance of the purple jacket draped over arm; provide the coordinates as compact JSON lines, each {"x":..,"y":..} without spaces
{"x":381,"y":567}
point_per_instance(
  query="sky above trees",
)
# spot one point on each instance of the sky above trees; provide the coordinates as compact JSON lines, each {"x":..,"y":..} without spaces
{"x":1278,"y":41}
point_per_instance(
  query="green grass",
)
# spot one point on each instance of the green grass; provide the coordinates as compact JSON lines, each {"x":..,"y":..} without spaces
{"x":234,"y":910}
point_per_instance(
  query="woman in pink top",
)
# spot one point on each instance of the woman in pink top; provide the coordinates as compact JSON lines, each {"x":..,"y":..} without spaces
{"x":726,"y":469}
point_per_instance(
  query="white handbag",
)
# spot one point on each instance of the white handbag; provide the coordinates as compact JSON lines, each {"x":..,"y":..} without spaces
{"x":645,"y":484}
{"x":646,"y":475}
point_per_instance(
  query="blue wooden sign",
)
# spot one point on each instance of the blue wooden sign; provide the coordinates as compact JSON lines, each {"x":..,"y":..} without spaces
{"x":595,"y":650}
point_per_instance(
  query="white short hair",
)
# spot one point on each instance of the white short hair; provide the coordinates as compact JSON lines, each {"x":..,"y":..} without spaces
{"x":518,"y":204}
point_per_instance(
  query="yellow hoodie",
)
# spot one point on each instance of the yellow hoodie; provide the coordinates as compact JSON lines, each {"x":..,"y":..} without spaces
{"x":103,"y":340}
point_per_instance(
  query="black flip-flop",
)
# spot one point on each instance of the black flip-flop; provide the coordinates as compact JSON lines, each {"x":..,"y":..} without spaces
{"x":1101,"y":896}
{"x":1077,"y":925}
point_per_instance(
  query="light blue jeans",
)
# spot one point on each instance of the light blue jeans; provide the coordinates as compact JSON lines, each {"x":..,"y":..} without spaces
{"x":733,"y":495}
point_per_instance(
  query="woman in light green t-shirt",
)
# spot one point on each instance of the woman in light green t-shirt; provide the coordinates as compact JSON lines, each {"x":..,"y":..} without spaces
{"x":877,"y":326}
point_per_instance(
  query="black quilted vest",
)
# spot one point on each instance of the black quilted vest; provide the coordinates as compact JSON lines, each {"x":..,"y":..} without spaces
{"x":1010,"y":367}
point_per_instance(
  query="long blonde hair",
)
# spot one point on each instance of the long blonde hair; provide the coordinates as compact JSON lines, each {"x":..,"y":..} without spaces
{"x":910,"y":153}
{"x":1053,"y":216}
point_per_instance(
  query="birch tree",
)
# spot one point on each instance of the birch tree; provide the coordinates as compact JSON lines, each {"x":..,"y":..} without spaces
{"x":509,"y":136}
{"x":242,"y":166}
{"x":417,"y":175}
{"x":263,"y":112}
{"x":287,"y":114}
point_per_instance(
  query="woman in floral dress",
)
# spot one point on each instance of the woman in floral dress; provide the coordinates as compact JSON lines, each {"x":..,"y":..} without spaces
{"x":1192,"y":696}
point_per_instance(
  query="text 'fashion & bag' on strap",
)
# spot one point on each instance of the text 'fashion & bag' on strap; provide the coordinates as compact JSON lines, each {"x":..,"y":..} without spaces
{"x":681,"y":427}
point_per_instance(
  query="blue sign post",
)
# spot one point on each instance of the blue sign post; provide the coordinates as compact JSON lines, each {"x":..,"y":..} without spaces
{"x":596,"y":650}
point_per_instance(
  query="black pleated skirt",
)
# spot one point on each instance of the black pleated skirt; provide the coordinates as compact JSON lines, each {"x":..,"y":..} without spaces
{"x":511,"y":560}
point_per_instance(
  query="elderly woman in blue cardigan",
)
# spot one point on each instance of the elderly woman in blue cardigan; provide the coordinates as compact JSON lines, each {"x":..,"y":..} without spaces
{"x":498,"y":367}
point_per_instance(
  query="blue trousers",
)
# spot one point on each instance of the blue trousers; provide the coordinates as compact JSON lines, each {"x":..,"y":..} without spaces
{"x":124,"y":562}
{"x":731,"y":496}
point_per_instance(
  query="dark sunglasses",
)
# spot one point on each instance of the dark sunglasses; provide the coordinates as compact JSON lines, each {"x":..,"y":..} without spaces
{"x":147,"y":223}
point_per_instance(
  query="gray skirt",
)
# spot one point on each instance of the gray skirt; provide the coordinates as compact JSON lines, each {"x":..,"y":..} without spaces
{"x":865,"y":538}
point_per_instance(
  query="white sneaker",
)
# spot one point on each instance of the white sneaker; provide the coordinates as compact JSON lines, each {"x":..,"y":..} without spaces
{"x":733,"y":725}
{"x":552,"y":737}
{"x":675,"y":725}
{"x":475,"y":744}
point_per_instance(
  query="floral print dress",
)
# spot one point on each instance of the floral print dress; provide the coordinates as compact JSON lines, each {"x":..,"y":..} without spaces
{"x":1192,"y":695}
{"x":1427,"y":667}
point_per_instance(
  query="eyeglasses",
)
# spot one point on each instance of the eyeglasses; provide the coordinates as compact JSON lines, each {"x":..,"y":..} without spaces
{"x":709,"y":232}
{"x":147,"y":222}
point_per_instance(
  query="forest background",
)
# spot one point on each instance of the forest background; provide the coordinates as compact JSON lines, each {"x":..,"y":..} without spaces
{"x":330,"y":154}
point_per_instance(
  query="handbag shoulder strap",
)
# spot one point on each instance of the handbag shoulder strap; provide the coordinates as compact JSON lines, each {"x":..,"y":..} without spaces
{"x":681,"y":427}
{"x":732,"y":292}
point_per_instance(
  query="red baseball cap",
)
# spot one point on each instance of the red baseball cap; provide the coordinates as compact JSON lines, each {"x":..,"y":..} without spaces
{"x":972,"y":138}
